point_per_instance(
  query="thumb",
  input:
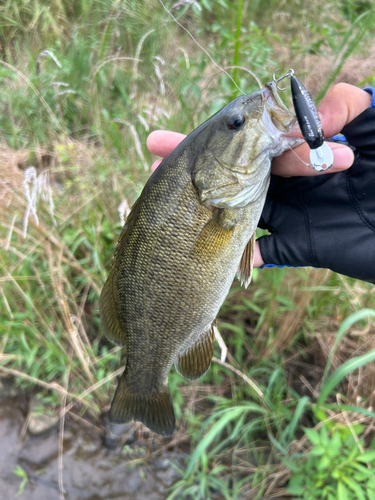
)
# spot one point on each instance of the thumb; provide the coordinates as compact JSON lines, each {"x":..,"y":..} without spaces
{"x":258,"y":259}
{"x":267,"y":251}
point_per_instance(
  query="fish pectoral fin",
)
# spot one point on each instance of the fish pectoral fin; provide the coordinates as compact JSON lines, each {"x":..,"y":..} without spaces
{"x":245,"y":269}
{"x":154,"y":411}
{"x":196,"y":360}
{"x":108,"y":314}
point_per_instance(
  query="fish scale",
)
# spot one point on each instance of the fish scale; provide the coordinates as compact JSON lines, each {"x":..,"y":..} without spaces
{"x":179,"y":251}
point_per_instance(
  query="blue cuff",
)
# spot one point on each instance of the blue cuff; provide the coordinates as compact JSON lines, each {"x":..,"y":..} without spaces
{"x":340,"y":138}
{"x":371,"y":91}
{"x":285,"y":265}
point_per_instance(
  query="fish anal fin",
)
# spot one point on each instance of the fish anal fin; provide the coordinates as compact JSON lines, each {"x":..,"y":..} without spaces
{"x":196,"y":360}
{"x":154,"y":411}
{"x":245,"y":269}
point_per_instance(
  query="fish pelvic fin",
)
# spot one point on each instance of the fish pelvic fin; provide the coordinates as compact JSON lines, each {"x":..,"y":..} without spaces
{"x":245,"y":269}
{"x":196,"y":360}
{"x":108,"y":314}
{"x":154,"y":411}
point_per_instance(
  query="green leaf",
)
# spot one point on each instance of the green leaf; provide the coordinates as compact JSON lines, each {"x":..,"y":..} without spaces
{"x":317,"y":451}
{"x":351,"y":408}
{"x":295,"y":489}
{"x":207,"y":5}
{"x":277,"y":445}
{"x":228,"y":415}
{"x":354,"y":487}
{"x":334,"y":446}
{"x":341,"y":372}
{"x":342,"y":492}
{"x":288,"y":433}
{"x":345,"y":325}
{"x":291,"y":464}
{"x":312,"y":435}
{"x":324,"y":462}
{"x":368,"y":456}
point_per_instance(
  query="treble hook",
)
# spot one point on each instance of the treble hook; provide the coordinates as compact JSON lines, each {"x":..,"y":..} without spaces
{"x":288,"y":74}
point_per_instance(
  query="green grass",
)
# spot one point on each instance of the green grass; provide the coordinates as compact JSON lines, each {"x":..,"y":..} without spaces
{"x":81,"y":86}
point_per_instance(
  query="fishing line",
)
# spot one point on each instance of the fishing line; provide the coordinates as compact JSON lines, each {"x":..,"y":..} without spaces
{"x":307,"y":164}
{"x":247,"y":71}
{"x":202,"y":48}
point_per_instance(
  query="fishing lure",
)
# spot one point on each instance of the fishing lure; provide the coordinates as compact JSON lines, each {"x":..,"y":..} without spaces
{"x":321,"y":156}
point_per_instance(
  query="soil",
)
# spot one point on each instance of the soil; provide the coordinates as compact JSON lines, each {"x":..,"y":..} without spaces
{"x":90,"y":471}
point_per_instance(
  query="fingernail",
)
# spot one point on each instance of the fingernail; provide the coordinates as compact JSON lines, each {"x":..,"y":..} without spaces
{"x":343,"y":158}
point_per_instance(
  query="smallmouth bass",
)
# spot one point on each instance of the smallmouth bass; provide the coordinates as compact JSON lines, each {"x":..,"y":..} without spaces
{"x":189,"y":232}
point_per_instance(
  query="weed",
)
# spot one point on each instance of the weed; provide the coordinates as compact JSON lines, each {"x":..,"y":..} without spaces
{"x":336,"y":466}
{"x":20,"y":472}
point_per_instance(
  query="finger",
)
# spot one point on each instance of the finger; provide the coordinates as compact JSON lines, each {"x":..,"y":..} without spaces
{"x":162,"y":142}
{"x":155,"y":165}
{"x":296,"y":162}
{"x":341,"y":104}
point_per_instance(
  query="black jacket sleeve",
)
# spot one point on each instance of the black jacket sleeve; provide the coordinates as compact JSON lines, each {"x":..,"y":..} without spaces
{"x":328,"y":220}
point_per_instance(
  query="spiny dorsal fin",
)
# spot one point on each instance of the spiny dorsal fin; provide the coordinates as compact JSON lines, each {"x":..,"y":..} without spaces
{"x":109,"y":315}
{"x":108,"y":303}
{"x":125,"y":229}
{"x":195,"y":362}
{"x":245,"y":269}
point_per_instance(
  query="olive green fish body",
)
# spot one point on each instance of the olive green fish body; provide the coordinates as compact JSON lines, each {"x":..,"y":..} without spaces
{"x":176,"y":258}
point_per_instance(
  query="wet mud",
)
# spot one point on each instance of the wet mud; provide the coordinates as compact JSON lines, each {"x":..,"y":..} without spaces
{"x":90,"y":470}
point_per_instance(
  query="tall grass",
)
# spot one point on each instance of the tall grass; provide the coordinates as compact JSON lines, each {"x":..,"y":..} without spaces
{"x":81,"y":85}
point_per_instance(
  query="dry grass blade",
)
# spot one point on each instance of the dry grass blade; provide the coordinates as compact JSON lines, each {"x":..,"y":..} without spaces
{"x":136,"y":60}
{"x":75,"y":339}
{"x":61,"y":440}
{"x":51,"y":386}
{"x":112,"y":59}
{"x":290,"y":321}
{"x":242,"y":375}
{"x":92,"y":389}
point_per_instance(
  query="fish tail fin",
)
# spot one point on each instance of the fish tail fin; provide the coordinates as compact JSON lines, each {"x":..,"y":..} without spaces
{"x":156,"y":411}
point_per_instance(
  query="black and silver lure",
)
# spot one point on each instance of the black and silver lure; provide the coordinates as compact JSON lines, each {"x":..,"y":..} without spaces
{"x":321,"y":156}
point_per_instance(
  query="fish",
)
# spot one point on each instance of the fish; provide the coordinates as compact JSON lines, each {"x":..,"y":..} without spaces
{"x":188,"y":234}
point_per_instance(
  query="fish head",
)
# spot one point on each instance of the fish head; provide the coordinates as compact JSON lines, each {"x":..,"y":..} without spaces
{"x":235,"y":148}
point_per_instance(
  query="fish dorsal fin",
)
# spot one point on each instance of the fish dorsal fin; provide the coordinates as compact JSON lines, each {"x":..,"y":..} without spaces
{"x":125,"y":228}
{"x":109,"y":315}
{"x":196,"y":360}
{"x":245,"y":269}
{"x":111,"y":326}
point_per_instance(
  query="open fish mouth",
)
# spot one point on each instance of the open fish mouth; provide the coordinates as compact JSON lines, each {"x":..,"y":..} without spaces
{"x":281,"y":118}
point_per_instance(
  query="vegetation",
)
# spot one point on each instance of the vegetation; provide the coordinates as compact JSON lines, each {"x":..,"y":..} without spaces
{"x":81,"y":85}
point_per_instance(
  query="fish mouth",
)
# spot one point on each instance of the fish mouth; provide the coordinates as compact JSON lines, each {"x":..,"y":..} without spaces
{"x":281,"y":118}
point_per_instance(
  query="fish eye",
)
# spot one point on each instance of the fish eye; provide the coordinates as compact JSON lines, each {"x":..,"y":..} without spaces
{"x":236,"y":122}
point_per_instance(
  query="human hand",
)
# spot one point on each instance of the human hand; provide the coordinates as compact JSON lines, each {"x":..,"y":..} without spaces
{"x":341,"y":105}
{"x":328,"y":220}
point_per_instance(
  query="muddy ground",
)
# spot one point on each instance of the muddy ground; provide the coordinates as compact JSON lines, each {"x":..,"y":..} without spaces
{"x":90,"y":471}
